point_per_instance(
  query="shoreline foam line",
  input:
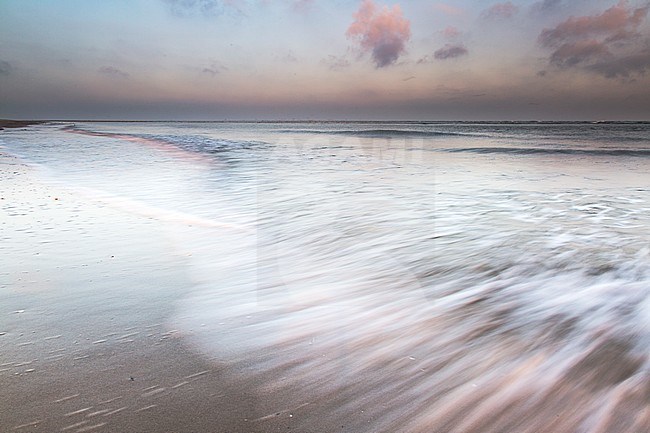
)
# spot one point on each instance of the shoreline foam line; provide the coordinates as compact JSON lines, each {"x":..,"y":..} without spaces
{"x":156,"y":144}
{"x":126,"y":204}
{"x":154,"y":212}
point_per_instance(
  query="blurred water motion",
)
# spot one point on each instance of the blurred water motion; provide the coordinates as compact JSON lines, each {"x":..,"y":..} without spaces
{"x":418,"y":277}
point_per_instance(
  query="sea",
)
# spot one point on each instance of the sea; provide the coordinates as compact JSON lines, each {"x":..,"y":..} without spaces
{"x":421,"y":276}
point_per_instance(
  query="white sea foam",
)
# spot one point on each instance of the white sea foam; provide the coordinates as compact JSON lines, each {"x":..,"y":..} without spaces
{"x":462,"y":291}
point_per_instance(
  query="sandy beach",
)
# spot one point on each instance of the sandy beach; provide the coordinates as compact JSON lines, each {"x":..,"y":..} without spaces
{"x":82,"y":352}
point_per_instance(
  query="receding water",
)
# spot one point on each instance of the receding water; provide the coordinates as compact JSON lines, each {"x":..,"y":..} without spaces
{"x":420,"y":276}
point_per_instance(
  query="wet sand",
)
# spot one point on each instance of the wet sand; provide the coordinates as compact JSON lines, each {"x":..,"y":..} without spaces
{"x":84,"y":343}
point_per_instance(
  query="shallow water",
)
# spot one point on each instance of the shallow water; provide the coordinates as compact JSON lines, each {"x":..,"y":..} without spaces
{"x":419,"y":276}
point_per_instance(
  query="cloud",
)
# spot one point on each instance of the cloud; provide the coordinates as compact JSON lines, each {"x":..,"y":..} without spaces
{"x":302,"y":5}
{"x":579,"y":52}
{"x":500,"y":11}
{"x":113,"y":72}
{"x":213,"y":68}
{"x":453,"y":48}
{"x":211,"y":71}
{"x":616,"y":22}
{"x":609,"y":44}
{"x":207,"y":8}
{"x":625,"y":66}
{"x":336,"y":63}
{"x":5,"y":67}
{"x":449,"y":10}
{"x":451,"y":32}
{"x":382,"y":32}
{"x":450,"y":51}
{"x":546,"y":6}
{"x":286,"y":57}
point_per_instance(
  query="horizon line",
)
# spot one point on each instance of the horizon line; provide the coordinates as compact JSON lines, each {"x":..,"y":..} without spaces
{"x":314,"y":120}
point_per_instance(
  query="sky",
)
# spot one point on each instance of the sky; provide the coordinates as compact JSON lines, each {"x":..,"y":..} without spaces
{"x":325,"y":59}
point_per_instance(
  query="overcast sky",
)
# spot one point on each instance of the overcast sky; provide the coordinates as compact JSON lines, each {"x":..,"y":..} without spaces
{"x":325,"y":59}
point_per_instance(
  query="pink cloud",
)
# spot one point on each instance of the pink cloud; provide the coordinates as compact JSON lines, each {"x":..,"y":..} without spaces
{"x":608,"y":43}
{"x":383,"y":32}
{"x":501,"y":11}
{"x":451,"y":32}
{"x":615,"y":21}
{"x":448,"y":9}
{"x":302,"y":5}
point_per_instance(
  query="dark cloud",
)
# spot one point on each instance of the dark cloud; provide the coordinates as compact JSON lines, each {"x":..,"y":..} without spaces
{"x":546,"y":6}
{"x":336,"y":63}
{"x":287,"y":57}
{"x":211,"y":71}
{"x":213,"y":68}
{"x":500,"y":11}
{"x":5,"y":67}
{"x":382,"y":32}
{"x":624,"y":67}
{"x":207,"y":8}
{"x":609,"y":44}
{"x":450,"y":51}
{"x":453,"y":48}
{"x":579,"y":52}
{"x":112,"y":71}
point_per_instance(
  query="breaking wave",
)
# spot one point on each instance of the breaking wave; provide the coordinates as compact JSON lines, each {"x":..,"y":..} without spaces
{"x":551,"y":151}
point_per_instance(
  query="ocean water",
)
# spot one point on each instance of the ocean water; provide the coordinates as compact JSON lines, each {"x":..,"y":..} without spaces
{"x":396,"y":276}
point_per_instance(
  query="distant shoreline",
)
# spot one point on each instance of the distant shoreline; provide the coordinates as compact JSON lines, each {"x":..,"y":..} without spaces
{"x":6,"y":123}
